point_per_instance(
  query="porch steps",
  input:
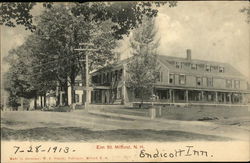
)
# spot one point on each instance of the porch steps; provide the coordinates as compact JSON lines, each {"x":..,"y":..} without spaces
{"x":117,"y":102}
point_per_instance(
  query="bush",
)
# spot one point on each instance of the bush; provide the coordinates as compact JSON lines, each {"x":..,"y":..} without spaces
{"x":79,"y":106}
{"x":208,"y":118}
{"x":62,"y":109}
{"x":59,"y":109}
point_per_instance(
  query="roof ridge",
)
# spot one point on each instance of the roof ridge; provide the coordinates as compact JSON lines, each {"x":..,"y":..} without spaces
{"x":199,"y":60}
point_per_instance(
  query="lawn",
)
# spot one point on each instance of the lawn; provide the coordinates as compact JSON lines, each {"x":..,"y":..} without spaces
{"x":194,"y":113}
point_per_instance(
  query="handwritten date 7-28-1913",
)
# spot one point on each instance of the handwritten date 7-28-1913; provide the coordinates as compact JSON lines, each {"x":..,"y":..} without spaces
{"x":40,"y":149}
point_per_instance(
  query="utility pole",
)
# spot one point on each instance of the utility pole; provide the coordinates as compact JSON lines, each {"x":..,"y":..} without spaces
{"x":87,"y":88}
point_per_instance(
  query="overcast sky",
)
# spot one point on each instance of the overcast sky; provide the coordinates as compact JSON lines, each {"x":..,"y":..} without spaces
{"x":215,"y":31}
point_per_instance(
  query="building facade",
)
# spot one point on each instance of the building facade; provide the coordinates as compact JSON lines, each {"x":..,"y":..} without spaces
{"x":181,"y":80}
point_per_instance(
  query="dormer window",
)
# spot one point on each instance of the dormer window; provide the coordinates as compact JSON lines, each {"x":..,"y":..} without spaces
{"x":178,"y":65}
{"x":208,"y":68}
{"x":221,"y":69}
{"x":194,"y":66}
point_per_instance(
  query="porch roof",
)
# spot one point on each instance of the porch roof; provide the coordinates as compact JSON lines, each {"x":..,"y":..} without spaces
{"x":200,"y":89}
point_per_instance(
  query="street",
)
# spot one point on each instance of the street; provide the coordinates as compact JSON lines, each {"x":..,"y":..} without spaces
{"x":81,"y":125}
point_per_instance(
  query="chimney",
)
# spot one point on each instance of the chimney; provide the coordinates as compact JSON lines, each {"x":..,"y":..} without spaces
{"x":189,"y":55}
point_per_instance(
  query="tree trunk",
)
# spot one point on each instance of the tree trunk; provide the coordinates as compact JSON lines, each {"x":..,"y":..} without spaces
{"x":41,"y":101}
{"x":21,"y":101}
{"x":35,"y":102}
{"x":58,"y":94}
{"x":72,"y":84}
{"x":65,"y":87}
{"x":58,"y":98}
{"x":44,"y":100}
{"x":142,"y":97}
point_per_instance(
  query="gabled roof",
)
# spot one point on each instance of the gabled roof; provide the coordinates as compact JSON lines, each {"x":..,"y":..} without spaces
{"x":115,"y":65}
{"x":229,"y":70}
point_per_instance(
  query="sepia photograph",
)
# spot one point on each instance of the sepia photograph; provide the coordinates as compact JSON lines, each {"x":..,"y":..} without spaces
{"x":139,"y":81}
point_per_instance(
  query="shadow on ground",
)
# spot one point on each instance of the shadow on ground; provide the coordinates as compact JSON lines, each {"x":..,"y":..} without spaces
{"x":67,"y":134}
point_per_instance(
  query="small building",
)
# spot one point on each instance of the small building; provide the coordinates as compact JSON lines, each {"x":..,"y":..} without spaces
{"x":181,"y":80}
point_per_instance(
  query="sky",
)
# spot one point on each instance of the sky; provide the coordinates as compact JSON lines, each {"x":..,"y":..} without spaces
{"x":214,"y":31}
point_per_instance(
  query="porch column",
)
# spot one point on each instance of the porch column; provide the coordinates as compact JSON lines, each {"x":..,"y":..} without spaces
{"x":89,"y":95}
{"x":242,"y":100}
{"x":69,"y":94}
{"x":216,"y":97}
{"x":103,"y":96}
{"x":125,"y":96}
{"x":224,"y":98}
{"x":170,"y":95}
{"x":80,"y":98}
{"x":124,"y":92}
{"x":202,"y":96}
{"x":230,"y":98}
{"x":186,"y":96}
{"x":173,"y":95}
{"x":61,"y":98}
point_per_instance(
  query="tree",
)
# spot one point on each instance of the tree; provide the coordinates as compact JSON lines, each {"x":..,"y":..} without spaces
{"x":61,"y":32}
{"x":125,"y":15}
{"x":18,"y":13}
{"x":247,"y":11}
{"x":16,"y":79}
{"x":142,"y":68}
{"x":27,"y":77}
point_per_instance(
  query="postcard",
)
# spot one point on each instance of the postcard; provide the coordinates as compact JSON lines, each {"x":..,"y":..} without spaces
{"x":125,"y":81}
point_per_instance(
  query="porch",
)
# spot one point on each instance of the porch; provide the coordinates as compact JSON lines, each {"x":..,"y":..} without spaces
{"x":169,"y":95}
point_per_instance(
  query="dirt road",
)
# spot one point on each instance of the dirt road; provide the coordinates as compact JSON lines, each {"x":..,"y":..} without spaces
{"x":85,"y":126}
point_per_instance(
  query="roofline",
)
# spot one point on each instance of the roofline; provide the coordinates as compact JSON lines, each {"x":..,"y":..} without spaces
{"x":241,"y":76}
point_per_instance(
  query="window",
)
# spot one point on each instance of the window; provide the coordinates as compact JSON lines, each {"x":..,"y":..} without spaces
{"x":229,"y":83}
{"x":116,"y":75}
{"x":182,"y":79}
{"x":100,"y":78}
{"x":101,"y":75}
{"x":104,"y":78}
{"x":159,"y":76}
{"x":112,"y":76}
{"x":194,"y":66}
{"x":178,"y":65}
{"x":214,"y":68}
{"x":198,"y":81}
{"x":221,"y":69}
{"x":208,"y":68}
{"x":137,"y":93}
{"x":77,"y":98}
{"x":209,"y":82}
{"x":236,"y":84}
{"x":120,"y":74}
{"x":171,"y":78}
{"x":108,"y":77}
